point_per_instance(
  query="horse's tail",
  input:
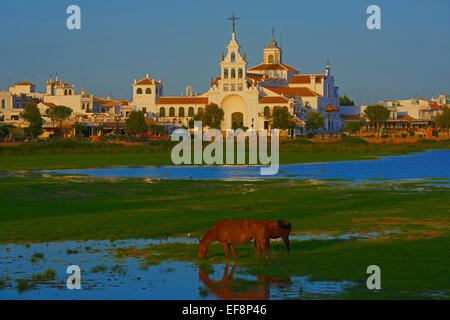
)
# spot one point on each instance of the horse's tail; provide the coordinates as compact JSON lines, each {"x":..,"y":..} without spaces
{"x":284,"y":224}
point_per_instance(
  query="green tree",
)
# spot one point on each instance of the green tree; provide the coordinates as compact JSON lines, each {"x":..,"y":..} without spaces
{"x":282,"y":119}
{"x":442,"y":120}
{"x":212,"y":116}
{"x":314,"y":121}
{"x":353,"y":126}
{"x":32,"y":115}
{"x":135,"y":124}
{"x":376,"y":114}
{"x":58,"y":114}
{"x":345,"y":101}
{"x":81,"y":129}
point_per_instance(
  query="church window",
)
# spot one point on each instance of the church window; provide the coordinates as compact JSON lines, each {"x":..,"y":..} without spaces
{"x":233,"y":57}
{"x":3,"y":103}
{"x":83,"y":106}
{"x":225,"y":87}
{"x":200,"y":111}
{"x":172,"y":112}
{"x":65,"y":92}
{"x":139,"y":91}
{"x":225,"y":74}
{"x":70,"y":92}
{"x":266,"y":111}
{"x":270,"y":58}
{"x":240,"y":87}
{"x":144,"y":110}
{"x":190,"y":112}
{"x":162,"y":112}
{"x":233,"y":87}
{"x":233,"y":73}
{"x":148,"y":91}
{"x":181,"y":112}
{"x":240,"y":73}
{"x":87,"y":107}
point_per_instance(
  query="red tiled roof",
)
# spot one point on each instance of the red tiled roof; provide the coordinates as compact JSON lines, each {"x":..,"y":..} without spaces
{"x":434,"y":106}
{"x":182,"y":100}
{"x":273,"y":100}
{"x":331,"y":108}
{"x":406,"y":118}
{"x":147,"y":81}
{"x":49,"y":104}
{"x":109,"y":102}
{"x":293,"y":92}
{"x":25,"y":83}
{"x":305,"y":78}
{"x":273,"y":66}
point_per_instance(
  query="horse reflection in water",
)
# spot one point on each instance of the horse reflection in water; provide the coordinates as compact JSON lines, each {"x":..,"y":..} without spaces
{"x":222,"y":288}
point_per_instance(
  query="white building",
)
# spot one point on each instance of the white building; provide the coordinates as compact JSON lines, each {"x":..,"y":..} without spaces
{"x":248,"y":95}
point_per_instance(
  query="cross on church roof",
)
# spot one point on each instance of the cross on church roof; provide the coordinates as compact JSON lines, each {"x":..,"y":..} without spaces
{"x":233,"y":18}
{"x":273,"y":33}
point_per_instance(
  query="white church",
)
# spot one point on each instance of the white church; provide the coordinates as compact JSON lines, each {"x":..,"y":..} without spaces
{"x":247,"y":95}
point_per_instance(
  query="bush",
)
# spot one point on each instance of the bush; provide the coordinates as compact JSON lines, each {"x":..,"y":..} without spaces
{"x":404,"y":135}
{"x":303,"y":141}
{"x":412,"y":133}
{"x":435,"y":133}
{"x":348,"y":139}
{"x":310,"y":135}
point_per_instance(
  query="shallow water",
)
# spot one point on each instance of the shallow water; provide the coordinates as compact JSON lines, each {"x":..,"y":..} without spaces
{"x":132,"y":279}
{"x":426,"y":165}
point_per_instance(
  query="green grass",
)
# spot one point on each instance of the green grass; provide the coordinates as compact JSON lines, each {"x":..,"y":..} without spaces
{"x":84,"y":208}
{"x":24,"y":285}
{"x":48,"y":274}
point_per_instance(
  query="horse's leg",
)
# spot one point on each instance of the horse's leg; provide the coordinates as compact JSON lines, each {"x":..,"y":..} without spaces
{"x":225,"y":249}
{"x":265,"y":245}
{"x":258,"y":248}
{"x":232,"y":252}
{"x":286,"y":242}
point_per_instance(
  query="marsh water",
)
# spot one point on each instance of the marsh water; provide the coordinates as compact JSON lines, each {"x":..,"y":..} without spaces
{"x":104,"y":275}
{"x":426,"y":165}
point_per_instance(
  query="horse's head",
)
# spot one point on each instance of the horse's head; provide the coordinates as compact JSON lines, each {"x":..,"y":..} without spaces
{"x":284,"y":224}
{"x":202,"y":249}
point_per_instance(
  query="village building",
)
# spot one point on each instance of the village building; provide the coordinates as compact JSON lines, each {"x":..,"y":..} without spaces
{"x":248,"y":95}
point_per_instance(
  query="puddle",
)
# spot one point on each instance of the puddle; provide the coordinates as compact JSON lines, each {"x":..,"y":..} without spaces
{"x":104,"y":276}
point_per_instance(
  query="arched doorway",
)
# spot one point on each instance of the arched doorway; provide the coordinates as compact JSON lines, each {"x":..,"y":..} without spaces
{"x":235,"y":110}
{"x":237,"y":120}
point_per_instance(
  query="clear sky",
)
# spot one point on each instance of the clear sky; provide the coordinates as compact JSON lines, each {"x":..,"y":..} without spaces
{"x":181,"y":42}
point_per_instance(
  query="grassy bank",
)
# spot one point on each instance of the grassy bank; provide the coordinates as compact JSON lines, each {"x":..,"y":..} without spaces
{"x":84,"y":208}
{"x":68,"y":154}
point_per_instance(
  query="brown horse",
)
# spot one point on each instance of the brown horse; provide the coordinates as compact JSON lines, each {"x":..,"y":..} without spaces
{"x":229,"y":232}
{"x":280,"y":229}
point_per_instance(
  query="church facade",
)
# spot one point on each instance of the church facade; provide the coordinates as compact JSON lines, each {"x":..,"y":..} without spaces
{"x":248,"y":95}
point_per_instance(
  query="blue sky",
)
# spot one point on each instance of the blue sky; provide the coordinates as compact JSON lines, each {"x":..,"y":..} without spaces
{"x":181,"y":42}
